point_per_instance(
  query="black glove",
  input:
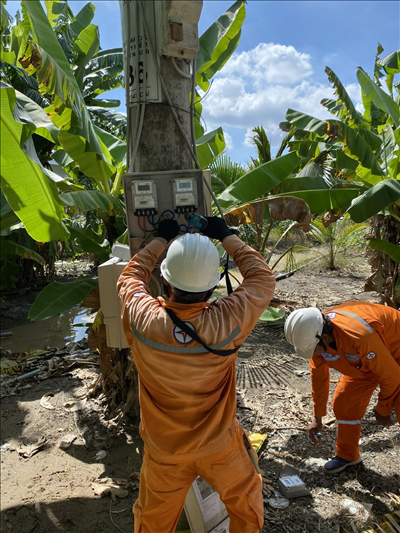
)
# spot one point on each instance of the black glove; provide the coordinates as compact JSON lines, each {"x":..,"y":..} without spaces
{"x":217,"y":228}
{"x":168,"y":229}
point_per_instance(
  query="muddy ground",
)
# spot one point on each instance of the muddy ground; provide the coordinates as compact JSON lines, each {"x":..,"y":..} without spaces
{"x":90,"y":486}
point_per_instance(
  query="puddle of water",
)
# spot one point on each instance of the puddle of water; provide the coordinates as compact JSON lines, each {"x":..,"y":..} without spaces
{"x":55,"y":331}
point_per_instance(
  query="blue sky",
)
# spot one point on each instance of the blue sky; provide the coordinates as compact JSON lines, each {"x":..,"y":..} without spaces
{"x":280,"y":60}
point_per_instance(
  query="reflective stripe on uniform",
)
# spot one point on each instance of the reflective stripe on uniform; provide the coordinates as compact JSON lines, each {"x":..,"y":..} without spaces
{"x":357,"y":318}
{"x":178,"y":349}
{"x":349,"y":422}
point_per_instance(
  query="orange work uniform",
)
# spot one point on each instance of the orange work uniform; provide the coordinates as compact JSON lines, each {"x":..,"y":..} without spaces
{"x":367,"y":354}
{"x":188,"y":395}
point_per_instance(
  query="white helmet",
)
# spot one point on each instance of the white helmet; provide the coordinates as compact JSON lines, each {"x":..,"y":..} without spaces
{"x":301,"y":330}
{"x":192,"y":263}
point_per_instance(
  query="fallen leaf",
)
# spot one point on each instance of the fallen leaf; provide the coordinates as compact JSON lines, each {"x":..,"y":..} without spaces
{"x":29,"y":451}
{"x":106,"y":486}
{"x":44,"y":402}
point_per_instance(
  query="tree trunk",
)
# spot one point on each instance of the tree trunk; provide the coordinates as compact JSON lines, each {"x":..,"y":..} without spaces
{"x":384,"y":271}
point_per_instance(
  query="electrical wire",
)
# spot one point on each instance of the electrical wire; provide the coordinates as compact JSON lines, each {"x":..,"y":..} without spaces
{"x":178,"y":122}
{"x":192,"y":102}
{"x":127,"y":95}
{"x":179,"y":71}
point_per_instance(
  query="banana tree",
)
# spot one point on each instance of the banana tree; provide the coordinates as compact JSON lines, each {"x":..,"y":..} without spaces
{"x":65,"y":73}
{"x":55,"y":111}
{"x":363,"y":178}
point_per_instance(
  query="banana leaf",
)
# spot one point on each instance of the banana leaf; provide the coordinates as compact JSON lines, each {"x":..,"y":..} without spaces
{"x":306,"y":122}
{"x":218,"y":43}
{"x":259,"y":181}
{"x":321,"y":201}
{"x":58,"y":297}
{"x":44,"y":126}
{"x":348,"y":109}
{"x":55,"y":76}
{"x":83,"y":19}
{"x":388,"y":248}
{"x":89,"y":200}
{"x":210,"y":146}
{"x":12,"y":248}
{"x":272,"y":208}
{"x":391,"y":65}
{"x":86,"y":46}
{"x":378,"y":197}
{"x":272,"y":314}
{"x":116,"y":148}
{"x":29,"y":192}
{"x":91,"y":242}
{"x":106,"y":58}
{"x":356,"y":145}
{"x":378,"y":96}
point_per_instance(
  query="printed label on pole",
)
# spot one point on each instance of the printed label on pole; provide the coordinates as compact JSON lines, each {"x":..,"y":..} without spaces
{"x":141,"y":71}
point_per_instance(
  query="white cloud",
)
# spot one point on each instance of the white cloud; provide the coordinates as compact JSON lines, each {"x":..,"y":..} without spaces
{"x":228,"y":141}
{"x":270,"y":63}
{"x":258,"y":87}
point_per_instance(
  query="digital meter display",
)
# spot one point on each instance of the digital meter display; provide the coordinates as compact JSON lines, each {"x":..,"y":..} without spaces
{"x":143,"y":187}
{"x":184,"y":185}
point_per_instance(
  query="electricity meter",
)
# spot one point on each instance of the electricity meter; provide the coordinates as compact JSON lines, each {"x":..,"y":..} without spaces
{"x":144,"y":197}
{"x":185,"y":195}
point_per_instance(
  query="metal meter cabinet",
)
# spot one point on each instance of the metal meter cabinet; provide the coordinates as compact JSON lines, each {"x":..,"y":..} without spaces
{"x":153,"y":196}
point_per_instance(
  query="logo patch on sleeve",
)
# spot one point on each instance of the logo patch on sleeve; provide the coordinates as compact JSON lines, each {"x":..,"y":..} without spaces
{"x":138,"y":294}
{"x":371,"y":355}
{"x":331,"y":316}
{"x":352,"y":356}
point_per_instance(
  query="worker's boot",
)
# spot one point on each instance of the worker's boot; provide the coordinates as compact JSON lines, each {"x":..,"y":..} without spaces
{"x":337,"y":464}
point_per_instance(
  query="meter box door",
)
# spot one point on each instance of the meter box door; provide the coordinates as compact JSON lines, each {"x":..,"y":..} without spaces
{"x":110,"y":303}
{"x":152,"y":196}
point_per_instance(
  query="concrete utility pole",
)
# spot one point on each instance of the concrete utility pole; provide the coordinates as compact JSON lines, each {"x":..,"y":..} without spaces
{"x":163,"y":42}
{"x":160,"y":39}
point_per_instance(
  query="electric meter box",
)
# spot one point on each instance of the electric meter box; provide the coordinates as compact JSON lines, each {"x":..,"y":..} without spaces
{"x":144,"y":197}
{"x":178,"y":28}
{"x":108,"y":273}
{"x":153,"y":196}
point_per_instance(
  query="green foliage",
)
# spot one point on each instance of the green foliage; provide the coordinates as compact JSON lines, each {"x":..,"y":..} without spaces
{"x":58,"y":297}
{"x":224,"y":172}
{"x":25,"y":184}
{"x":272,"y":314}
{"x":218,"y":43}
{"x":337,"y":236}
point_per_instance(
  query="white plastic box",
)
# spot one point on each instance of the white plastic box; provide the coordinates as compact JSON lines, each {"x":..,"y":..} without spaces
{"x":110,"y":303}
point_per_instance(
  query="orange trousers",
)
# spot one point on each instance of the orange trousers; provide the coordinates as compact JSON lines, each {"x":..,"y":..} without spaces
{"x":163,"y":488}
{"x":349,"y":404}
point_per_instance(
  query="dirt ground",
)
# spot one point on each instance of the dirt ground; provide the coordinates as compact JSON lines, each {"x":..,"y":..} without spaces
{"x":90,"y":486}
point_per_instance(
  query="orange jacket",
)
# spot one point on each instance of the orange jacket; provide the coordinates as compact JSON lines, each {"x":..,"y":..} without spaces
{"x":188,"y":395}
{"x":368,"y":347}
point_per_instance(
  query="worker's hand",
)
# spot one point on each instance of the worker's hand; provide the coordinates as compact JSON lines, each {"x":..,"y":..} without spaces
{"x":168,"y":229}
{"x":383,"y":420}
{"x":315,"y":429}
{"x":217,"y":228}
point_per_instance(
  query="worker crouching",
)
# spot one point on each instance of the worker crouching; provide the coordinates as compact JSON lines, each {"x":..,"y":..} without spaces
{"x":360,"y":340}
{"x":187,"y":386}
